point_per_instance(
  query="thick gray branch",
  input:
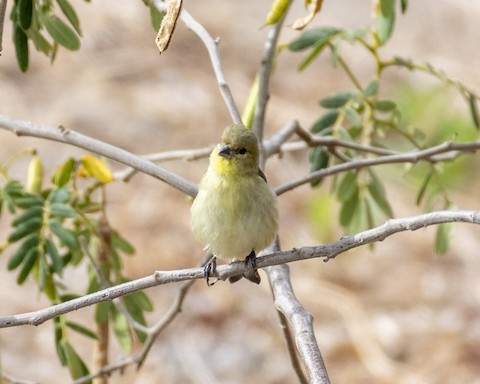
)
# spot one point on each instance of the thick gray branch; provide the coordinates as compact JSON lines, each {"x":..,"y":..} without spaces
{"x":326,"y":251}
{"x":301,"y":322}
{"x":68,"y":136}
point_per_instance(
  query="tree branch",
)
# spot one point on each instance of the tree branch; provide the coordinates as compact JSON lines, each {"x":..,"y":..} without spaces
{"x":68,"y":136}
{"x":327,"y":251}
{"x":433,"y":155}
{"x":301,"y":321}
{"x":264,"y":74}
{"x":211,"y":46}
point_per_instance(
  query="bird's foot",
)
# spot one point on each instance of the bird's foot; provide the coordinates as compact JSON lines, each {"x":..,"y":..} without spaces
{"x":251,"y":273}
{"x":209,"y":270}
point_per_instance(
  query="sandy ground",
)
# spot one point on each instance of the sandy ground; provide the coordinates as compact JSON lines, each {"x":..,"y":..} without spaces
{"x":395,"y":314}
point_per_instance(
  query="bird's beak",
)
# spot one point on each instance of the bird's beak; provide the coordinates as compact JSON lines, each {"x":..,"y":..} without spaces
{"x":225,"y":151}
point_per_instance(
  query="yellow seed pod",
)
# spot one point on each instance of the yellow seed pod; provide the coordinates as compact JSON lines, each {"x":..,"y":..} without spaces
{"x":279,"y":7}
{"x":35,"y":175}
{"x":97,"y":168}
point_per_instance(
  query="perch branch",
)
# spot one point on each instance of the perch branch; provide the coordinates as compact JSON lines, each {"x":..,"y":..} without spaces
{"x":327,"y":251}
{"x":69,"y":136}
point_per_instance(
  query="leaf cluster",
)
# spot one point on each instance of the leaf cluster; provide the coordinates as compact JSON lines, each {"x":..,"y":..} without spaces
{"x":59,"y":227}
{"x":361,"y":115}
{"x":47,"y":27}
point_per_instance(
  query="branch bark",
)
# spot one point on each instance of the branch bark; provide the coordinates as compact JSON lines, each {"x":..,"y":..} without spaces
{"x":442,"y":152}
{"x":327,"y":251}
{"x":69,"y":136}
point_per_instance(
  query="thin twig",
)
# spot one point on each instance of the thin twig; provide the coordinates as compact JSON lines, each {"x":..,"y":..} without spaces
{"x":264,"y":74}
{"x":327,"y":251}
{"x":430,"y":69}
{"x":180,"y":154}
{"x":442,"y":152}
{"x":69,"y":136}
{"x":276,"y":143}
{"x":211,"y":46}
{"x":14,"y":380}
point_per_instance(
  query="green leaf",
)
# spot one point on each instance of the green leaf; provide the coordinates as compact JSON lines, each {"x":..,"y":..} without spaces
{"x":353,"y":117}
{"x":377,"y":192}
{"x":141,"y":300}
{"x":18,"y":256}
{"x":385,"y":105}
{"x":423,"y":188}
{"x":75,"y":364}
{"x":316,"y":50}
{"x":58,"y":341}
{"x":64,"y":173}
{"x":327,"y":120}
{"x":312,"y":37}
{"x":60,"y":195}
{"x":27,"y":266}
{"x":387,"y":7}
{"x":24,"y":10}
{"x":64,"y":235}
{"x":119,"y":242}
{"x":443,"y":237}
{"x":29,"y":201}
{"x":70,"y":14}
{"x":40,"y":42}
{"x":334,"y":56}
{"x":82,"y":330}
{"x":121,"y":330}
{"x":133,"y":303}
{"x":27,"y":228}
{"x":61,"y":210}
{"x":102,"y":312}
{"x":57,"y":262}
{"x":348,"y":187}
{"x":60,"y":32}
{"x":42,"y":271}
{"x":336,"y":101}
{"x":385,"y":26}
{"x":472,"y":102}
{"x":319,"y":158}
{"x":371,"y":89}
{"x":404,"y":6}
{"x":156,"y":16}
{"x":34,"y":212}
{"x":349,"y":209}
{"x":20,"y":40}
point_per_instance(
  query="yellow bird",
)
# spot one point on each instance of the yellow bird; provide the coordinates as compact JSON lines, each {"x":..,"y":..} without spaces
{"x":235,"y":213}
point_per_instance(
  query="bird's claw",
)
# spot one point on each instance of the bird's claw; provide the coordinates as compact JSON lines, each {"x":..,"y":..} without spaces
{"x":209,"y":270}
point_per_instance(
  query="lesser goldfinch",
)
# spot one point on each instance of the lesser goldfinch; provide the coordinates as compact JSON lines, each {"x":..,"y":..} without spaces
{"x":235,"y":213}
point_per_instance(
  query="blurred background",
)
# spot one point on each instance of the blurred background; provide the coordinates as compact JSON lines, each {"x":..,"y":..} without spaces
{"x":397,"y":313}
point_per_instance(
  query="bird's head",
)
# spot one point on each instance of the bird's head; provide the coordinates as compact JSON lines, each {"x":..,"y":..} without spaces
{"x":237,"y":153}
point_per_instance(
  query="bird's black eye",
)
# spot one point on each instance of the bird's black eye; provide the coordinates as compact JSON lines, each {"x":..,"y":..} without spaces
{"x":242,"y":151}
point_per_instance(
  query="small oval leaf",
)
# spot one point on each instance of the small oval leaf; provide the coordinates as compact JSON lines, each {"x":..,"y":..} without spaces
{"x":336,"y":101}
{"x":61,"y":32}
{"x":327,"y":120}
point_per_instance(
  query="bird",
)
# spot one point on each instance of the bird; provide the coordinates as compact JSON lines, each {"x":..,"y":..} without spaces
{"x":235,"y":213}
